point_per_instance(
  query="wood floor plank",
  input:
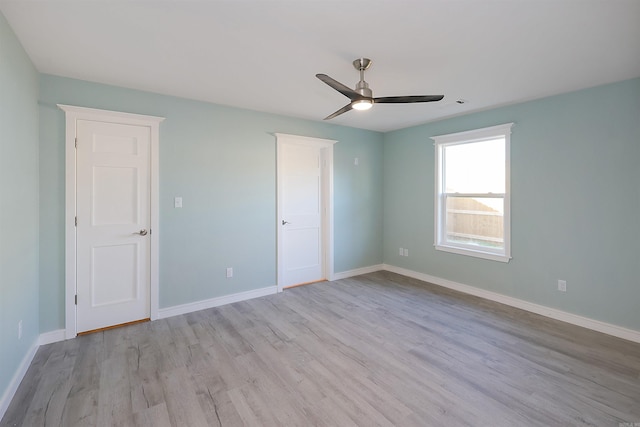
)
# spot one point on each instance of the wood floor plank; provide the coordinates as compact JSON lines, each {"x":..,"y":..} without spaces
{"x":378,"y":349}
{"x":114,"y":397}
{"x":157,"y":416}
{"x":218,"y":407}
{"x":181,"y":398}
{"x":145,"y":382}
{"x":81,"y":405}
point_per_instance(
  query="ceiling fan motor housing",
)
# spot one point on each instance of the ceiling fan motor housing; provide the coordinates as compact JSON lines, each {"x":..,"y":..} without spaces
{"x":362,"y":88}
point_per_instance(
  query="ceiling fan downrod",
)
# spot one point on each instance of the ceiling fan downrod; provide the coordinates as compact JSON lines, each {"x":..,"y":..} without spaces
{"x":362,"y":87}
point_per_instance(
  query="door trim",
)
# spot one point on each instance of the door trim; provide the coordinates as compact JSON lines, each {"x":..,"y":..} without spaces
{"x":72,"y":115}
{"x":326,"y":150}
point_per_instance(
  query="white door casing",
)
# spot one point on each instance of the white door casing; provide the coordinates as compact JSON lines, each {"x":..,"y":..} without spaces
{"x":121,"y":149}
{"x":305,"y":210}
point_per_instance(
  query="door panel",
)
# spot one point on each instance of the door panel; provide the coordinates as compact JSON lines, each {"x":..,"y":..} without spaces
{"x":113,"y":206}
{"x":114,"y":195}
{"x":114,"y":285}
{"x":301,"y":209}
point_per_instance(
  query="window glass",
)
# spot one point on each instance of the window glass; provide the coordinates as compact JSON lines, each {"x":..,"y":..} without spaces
{"x":472,"y":200}
{"x":476,"y":167}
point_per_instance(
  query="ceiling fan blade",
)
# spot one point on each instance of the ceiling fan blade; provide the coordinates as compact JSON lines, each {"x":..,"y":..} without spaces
{"x":340,"y":111}
{"x":346,"y":91}
{"x":407,"y":99}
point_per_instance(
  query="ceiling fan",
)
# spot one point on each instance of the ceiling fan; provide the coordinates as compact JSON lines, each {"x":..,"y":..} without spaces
{"x":362,"y":97}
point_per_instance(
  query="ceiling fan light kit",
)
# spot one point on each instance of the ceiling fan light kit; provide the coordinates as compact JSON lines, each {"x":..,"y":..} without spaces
{"x":362,"y":96}
{"x":362,"y":105}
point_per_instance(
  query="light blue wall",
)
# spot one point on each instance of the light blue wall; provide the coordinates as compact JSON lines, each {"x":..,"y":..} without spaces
{"x":18,"y":203}
{"x":575,"y":179}
{"x":222,"y":162}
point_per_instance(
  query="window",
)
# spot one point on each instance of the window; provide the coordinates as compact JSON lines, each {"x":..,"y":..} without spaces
{"x":472,"y":215}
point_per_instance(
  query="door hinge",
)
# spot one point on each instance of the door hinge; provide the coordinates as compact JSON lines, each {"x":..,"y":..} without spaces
{"x":76,"y":299}
{"x":76,"y":142}
{"x":76,"y":221}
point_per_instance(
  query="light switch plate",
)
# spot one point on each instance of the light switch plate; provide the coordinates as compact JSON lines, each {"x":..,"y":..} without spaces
{"x":177,"y":202}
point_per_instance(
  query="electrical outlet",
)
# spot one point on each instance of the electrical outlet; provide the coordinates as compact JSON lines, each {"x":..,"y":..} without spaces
{"x":229,"y":272}
{"x":562,"y":285}
{"x":20,"y":330}
{"x":401,"y":252}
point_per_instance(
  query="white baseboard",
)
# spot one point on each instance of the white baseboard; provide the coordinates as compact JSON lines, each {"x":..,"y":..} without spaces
{"x":43,"y":339}
{"x":215,"y":302}
{"x":574,"y":319}
{"x":52,"y":336}
{"x":10,"y":391}
{"x":357,"y":272}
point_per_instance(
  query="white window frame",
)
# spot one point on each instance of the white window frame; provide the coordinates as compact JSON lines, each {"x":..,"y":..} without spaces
{"x":440,"y":204}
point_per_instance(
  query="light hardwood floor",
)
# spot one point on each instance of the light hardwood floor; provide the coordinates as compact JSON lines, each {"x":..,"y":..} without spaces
{"x":378,"y":349}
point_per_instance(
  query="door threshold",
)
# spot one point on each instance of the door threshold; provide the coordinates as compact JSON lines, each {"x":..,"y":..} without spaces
{"x":304,"y":284}
{"x":106,"y":328}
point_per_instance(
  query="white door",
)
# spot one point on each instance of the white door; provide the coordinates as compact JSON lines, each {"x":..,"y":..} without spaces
{"x":303,"y":209}
{"x":113,"y":224}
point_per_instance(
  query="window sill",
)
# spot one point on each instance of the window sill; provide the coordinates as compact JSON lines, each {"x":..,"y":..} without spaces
{"x":472,"y":253}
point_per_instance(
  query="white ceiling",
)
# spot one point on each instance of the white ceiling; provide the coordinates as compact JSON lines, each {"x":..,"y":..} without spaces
{"x":263,"y":54}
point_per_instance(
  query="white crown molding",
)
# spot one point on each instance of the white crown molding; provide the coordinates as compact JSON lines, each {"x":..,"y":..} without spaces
{"x":128,"y":118}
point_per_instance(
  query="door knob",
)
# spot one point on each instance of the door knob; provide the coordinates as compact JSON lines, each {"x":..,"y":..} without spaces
{"x":142,"y":232}
{"x":285,"y":222}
